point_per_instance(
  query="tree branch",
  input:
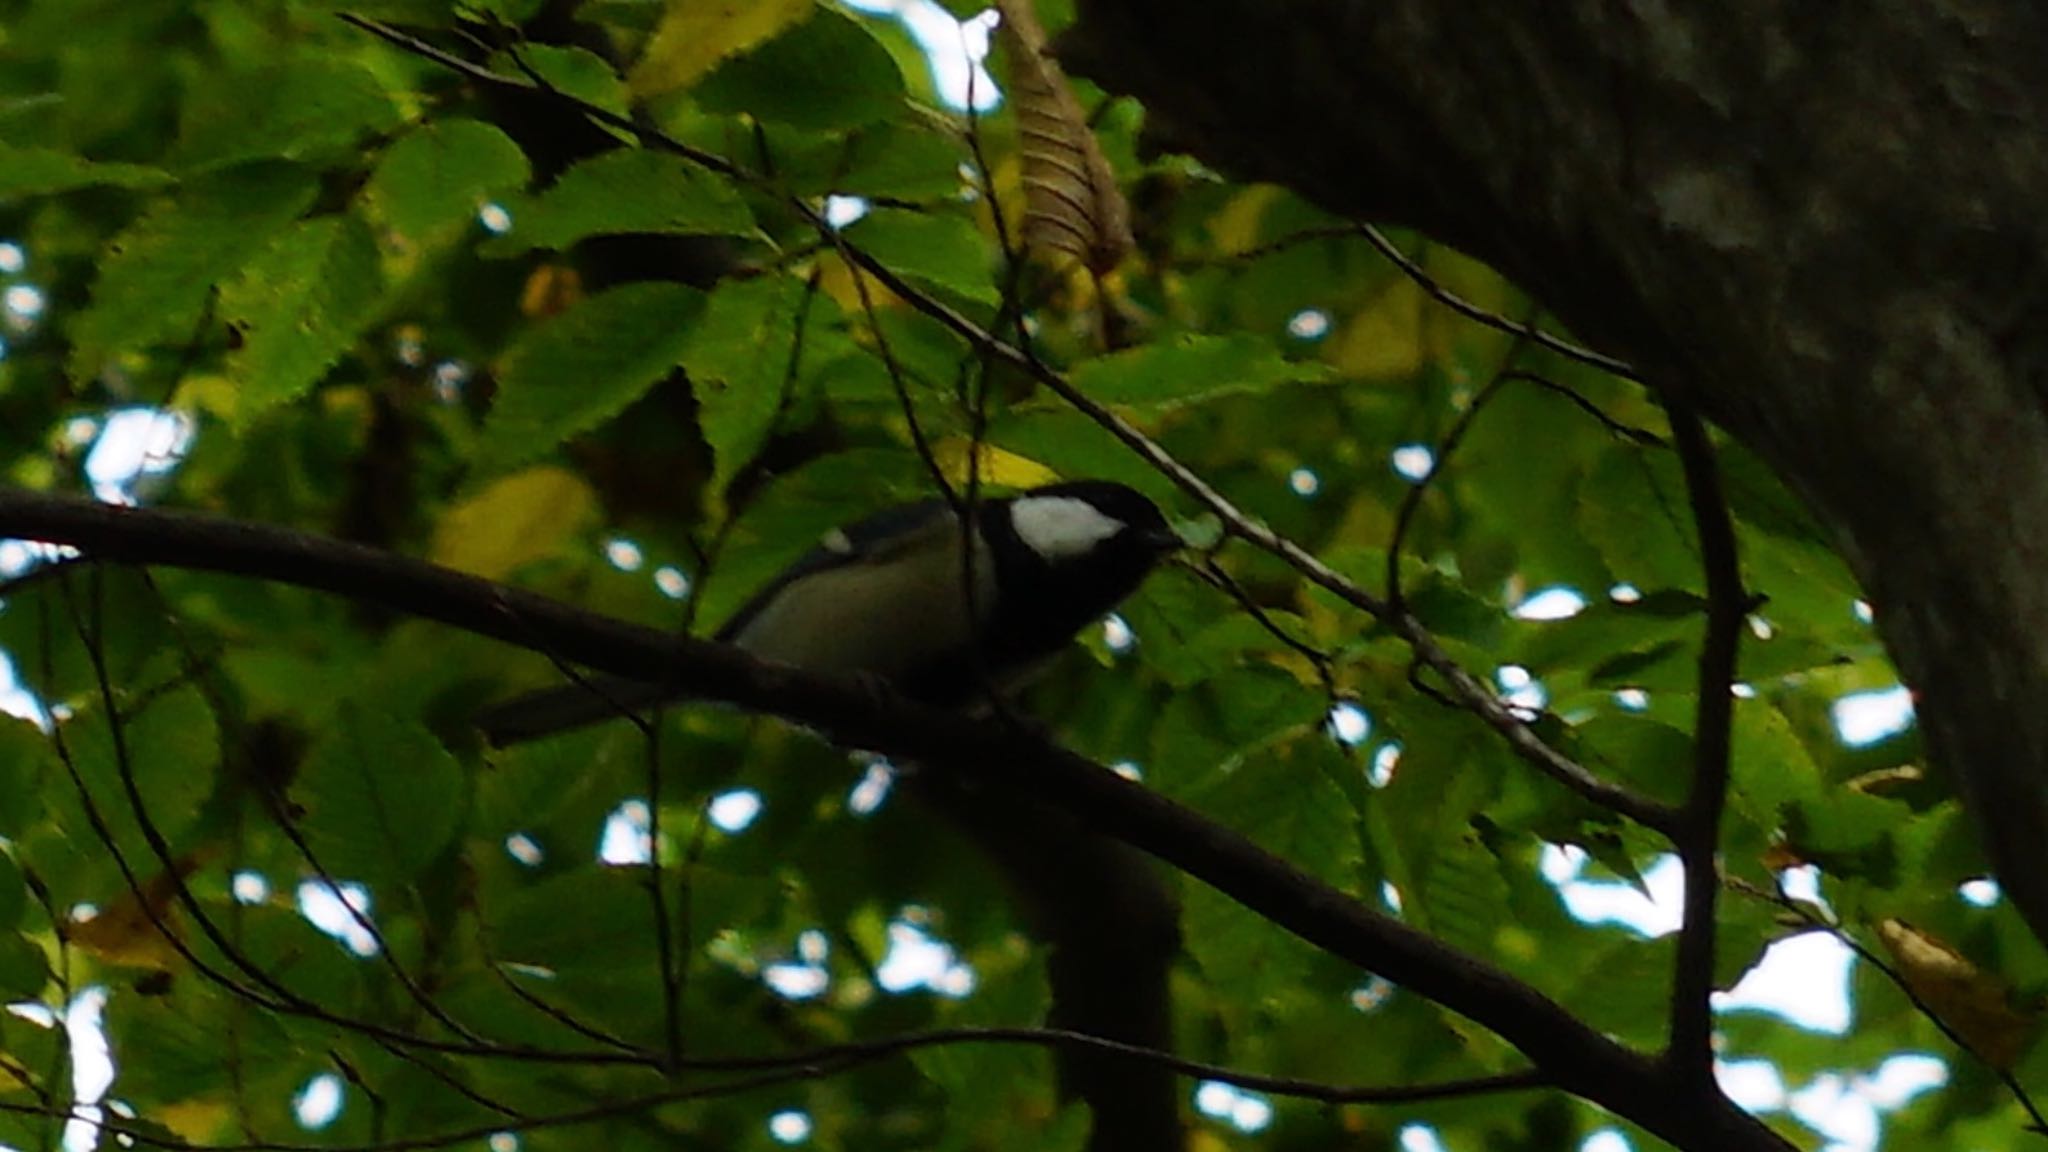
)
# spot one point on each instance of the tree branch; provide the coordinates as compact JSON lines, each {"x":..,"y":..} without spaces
{"x":1573,"y":1056}
{"x":1698,"y":833}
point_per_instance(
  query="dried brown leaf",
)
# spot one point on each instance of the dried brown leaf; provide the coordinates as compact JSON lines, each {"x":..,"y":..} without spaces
{"x":1072,"y":205}
{"x":1975,"y":1003}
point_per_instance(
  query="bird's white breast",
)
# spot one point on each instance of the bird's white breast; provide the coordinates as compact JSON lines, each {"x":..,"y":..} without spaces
{"x":857,"y":618}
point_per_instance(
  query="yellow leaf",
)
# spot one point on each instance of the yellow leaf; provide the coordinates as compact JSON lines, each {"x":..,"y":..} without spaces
{"x":1975,"y":1003}
{"x":521,"y":518}
{"x":200,"y":1119}
{"x":996,"y":466}
{"x":1384,"y":339}
{"x":130,"y":930}
{"x":1238,"y":228}
{"x":694,"y":35}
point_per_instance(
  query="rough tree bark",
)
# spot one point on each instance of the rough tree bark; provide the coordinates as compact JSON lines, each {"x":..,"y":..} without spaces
{"x":1823,"y":229}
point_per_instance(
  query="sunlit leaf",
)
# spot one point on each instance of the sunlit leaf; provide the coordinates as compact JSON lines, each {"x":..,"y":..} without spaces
{"x":40,"y":171}
{"x":297,"y":308}
{"x":694,"y":35}
{"x":156,"y":275}
{"x":945,"y":251}
{"x":737,"y":356}
{"x":826,"y":73}
{"x":571,"y":373}
{"x":627,"y":190}
{"x":1188,"y":369}
{"x":430,"y":184}
{"x":517,"y":519}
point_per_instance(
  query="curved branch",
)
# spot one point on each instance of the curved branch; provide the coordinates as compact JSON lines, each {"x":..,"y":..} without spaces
{"x":1574,"y":1056}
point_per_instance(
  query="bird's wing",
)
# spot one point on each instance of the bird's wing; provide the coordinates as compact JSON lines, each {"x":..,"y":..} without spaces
{"x":878,"y":539}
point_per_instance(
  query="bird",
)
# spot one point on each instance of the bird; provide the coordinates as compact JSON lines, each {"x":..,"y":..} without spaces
{"x":886,"y":599}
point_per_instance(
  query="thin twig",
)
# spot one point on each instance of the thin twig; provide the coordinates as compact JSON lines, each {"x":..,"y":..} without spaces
{"x":1482,"y":316}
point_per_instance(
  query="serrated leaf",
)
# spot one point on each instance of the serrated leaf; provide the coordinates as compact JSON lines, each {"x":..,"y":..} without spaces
{"x":946,"y":251}
{"x":1770,"y":768}
{"x":378,"y":797}
{"x":153,"y":282}
{"x":738,"y":356}
{"x":572,"y":373}
{"x":1608,"y":628}
{"x":1632,"y":507}
{"x":576,"y":72}
{"x":517,"y":519}
{"x":429,"y":185}
{"x":299,"y":306}
{"x":1464,"y":898}
{"x":825,"y":73}
{"x":28,"y":172}
{"x":1637,"y":752}
{"x":307,"y":109}
{"x":694,"y":35}
{"x":627,"y":190}
{"x":1187,"y":369}
{"x":1849,"y":834}
{"x":169,"y":755}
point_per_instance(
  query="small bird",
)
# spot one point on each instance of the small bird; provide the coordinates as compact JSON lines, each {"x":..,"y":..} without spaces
{"x":886,"y":598}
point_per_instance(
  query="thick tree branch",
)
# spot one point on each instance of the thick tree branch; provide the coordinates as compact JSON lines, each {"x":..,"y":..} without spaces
{"x":1561,"y":1047}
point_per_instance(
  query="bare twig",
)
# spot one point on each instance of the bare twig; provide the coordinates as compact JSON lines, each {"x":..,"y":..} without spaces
{"x":1482,"y":316}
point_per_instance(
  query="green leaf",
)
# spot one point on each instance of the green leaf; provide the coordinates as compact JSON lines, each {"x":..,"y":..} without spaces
{"x":299,"y":307}
{"x":1632,"y":507}
{"x":28,"y":172}
{"x":576,"y":72}
{"x":824,"y":73}
{"x":595,"y":918}
{"x":572,"y":373}
{"x":429,"y":185}
{"x":738,"y":357}
{"x":948,"y":252}
{"x":1188,"y":369}
{"x":628,"y":190}
{"x":307,"y":109}
{"x":13,"y":891}
{"x":155,"y":278}
{"x":24,"y":968}
{"x":169,"y":755}
{"x":1770,"y":768}
{"x":25,"y":761}
{"x":379,"y":797}
{"x":1463,"y":898}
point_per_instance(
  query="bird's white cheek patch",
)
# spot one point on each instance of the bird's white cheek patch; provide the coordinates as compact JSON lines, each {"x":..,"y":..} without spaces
{"x":1059,"y":527}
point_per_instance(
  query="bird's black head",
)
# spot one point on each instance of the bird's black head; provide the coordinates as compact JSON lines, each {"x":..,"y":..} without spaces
{"x":1068,"y":553}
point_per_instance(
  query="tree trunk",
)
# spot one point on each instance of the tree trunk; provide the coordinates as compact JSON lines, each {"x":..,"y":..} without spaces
{"x":1824,"y":229}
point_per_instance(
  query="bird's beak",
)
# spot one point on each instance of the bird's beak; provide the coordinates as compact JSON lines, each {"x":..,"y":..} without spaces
{"x":1164,"y":540}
